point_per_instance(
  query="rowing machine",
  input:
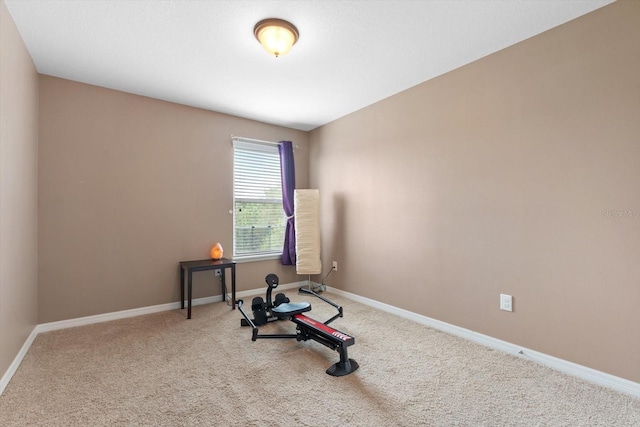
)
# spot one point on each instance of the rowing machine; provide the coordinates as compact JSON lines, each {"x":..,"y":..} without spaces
{"x":306,"y":327}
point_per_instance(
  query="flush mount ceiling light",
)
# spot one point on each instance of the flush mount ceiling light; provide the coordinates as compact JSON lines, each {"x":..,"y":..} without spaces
{"x":277,"y":36}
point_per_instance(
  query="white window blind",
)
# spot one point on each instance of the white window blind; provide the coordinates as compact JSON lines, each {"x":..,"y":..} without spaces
{"x":258,"y":219}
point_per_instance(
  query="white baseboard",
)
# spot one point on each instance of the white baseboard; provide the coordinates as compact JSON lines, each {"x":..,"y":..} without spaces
{"x":616,"y":383}
{"x":4,"y":381}
{"x":261,"y":291}
{"x":88,"y":320}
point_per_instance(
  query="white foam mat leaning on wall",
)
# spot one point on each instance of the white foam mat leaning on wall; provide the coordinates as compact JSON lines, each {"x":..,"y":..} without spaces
{"x":306,"y":206}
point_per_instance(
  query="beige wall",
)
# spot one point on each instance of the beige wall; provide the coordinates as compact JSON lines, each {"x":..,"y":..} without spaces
{"x":129,"y":186}
{"x":500,"y":177}
{"x":519,"y":166}
{"x":18,"y":192}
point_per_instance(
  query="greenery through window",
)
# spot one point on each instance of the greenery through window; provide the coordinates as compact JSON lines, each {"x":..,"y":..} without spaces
{"x":259,"y":220}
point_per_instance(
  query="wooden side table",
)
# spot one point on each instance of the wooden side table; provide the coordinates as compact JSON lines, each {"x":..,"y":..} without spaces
{"x":207,"y":264}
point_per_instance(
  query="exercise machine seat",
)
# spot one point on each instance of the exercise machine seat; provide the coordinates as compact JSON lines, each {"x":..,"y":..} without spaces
{"x":288,"y":309}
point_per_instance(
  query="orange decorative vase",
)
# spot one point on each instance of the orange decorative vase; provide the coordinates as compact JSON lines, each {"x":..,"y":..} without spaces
{"x":216,"y":251}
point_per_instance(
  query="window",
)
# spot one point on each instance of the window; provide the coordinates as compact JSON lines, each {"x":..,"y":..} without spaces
{"x":258,"y":219}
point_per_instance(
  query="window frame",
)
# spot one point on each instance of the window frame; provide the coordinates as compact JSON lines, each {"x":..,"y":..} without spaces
{"x":256,"y":146}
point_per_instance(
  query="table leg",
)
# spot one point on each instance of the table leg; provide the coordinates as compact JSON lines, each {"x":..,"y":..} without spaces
{"x":181,"y":288}
{"x":189,"y":286}
{"x":224,"y":283}
{"x":233,"y":287}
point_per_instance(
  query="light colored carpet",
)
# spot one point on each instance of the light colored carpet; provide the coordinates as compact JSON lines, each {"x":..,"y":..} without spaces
{"x":163,"y":370}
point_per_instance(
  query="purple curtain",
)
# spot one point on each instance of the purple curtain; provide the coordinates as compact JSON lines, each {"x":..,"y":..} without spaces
{"x":288,"y":173}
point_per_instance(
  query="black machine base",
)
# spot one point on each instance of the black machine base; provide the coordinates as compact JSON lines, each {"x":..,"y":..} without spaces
{"x":340,"y":369}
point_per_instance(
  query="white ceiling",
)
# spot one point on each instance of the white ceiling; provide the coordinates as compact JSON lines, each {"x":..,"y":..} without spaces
{"x":203,"y":53}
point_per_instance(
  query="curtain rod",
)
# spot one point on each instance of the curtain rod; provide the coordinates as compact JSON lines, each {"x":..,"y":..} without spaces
{"x":233,"y":137}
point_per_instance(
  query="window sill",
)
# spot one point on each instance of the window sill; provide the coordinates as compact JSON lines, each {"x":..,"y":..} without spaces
{"x":252,"y":258}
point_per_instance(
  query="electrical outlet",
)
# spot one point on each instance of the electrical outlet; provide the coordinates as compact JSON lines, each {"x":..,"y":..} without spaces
{"x":218,"y":272}
{"x":335,"y":266}
{"x":506,"y":302}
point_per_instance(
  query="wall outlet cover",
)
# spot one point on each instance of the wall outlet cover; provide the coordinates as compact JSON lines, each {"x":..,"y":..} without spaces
{"x":506,"y":302}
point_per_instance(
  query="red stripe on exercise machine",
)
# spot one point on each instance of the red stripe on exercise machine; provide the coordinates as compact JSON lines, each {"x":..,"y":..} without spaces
{"x":321,"y":326}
